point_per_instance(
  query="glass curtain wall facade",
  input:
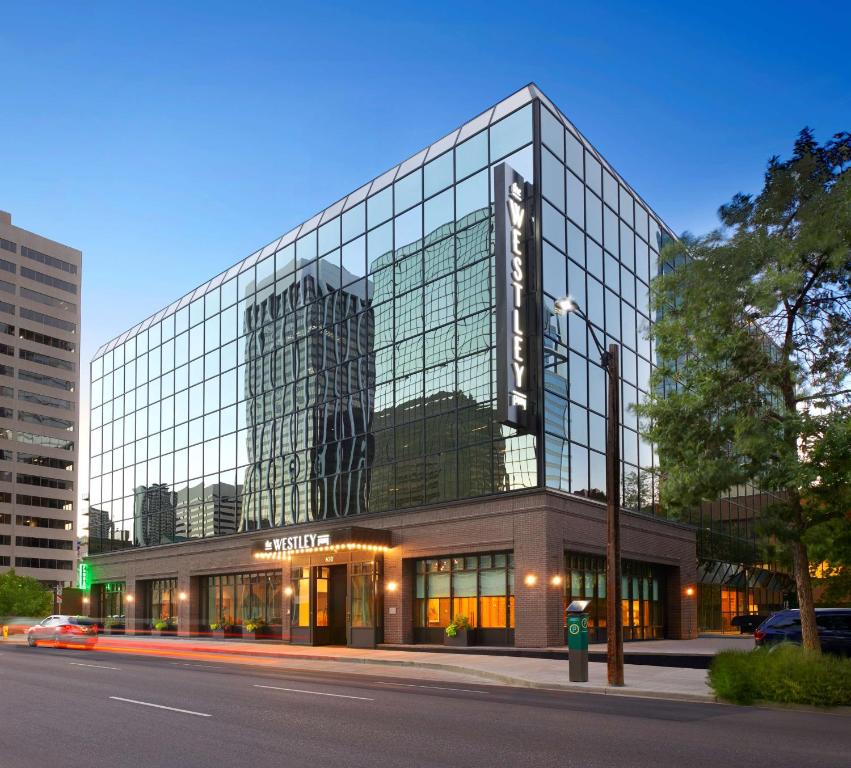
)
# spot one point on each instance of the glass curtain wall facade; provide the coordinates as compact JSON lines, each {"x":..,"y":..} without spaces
{"x":349,"y":367}
{"x":600,"y":246}
{"x":349,"y":371}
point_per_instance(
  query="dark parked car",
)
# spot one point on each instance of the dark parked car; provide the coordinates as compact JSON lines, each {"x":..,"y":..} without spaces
{"x":834,"y":629}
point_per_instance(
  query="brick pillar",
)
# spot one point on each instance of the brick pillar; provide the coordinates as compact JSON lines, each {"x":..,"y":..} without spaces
{"x":286,"y":599}
{"x":680,"y":607}
{"x":538,"y":553}
{"x":188,"y":607}
{"x":132,"y":610}
{"x":395,"y":601}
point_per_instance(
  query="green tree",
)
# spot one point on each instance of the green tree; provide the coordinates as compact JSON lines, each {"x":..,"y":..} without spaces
{"x":23,"y":596}
{"x":753,"y":340}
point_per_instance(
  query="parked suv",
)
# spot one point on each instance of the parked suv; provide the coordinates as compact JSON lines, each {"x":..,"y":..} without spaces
{"x":834,"y":629}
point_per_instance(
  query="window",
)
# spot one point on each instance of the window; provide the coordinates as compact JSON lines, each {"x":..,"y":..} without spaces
{"x":49,"y":341}
{"x":53,"y":282}
{"x":41,"y":501}
{"x":479,"y":587}
{"x":51,"y":261}
{"x":44,"y":522}
{"x":54,"y":322}
{"x":45,"y":441}
{"x":34,"y":397}
{"x":36,"y":562}
{"x":42,"y":461}
{"x":32,"y":541}
{"x":7,"y":266}
{"x":45,"y":482}
{"x":40,"y":378}
{"x":301,"y":597}
{"x":52,"y":422}
{"x":43,"y":298}
{"x":38,"y":357}
{"x":8,"y":245}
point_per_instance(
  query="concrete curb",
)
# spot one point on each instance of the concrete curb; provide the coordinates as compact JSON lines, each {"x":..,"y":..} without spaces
{"x":496,"y":677}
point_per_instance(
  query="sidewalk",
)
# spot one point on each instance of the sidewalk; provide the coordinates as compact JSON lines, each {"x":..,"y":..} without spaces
{"x":545,"y":673}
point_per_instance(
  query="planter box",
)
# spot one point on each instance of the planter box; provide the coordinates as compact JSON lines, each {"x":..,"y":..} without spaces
{"x":463,"y":639}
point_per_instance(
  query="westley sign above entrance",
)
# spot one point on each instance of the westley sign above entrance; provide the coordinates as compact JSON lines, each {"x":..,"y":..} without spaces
{"x":513,"y":346}
{"x":339,"y":539}
{"x":295,"y":543}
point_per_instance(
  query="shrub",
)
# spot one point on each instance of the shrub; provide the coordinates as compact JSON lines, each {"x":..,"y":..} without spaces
{"x":786,"y":674}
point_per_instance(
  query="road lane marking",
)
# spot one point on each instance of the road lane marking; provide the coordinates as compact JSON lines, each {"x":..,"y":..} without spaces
{"x":313,"y":693}
{"x":160,"y":706}
{"x":435,"y":687}
{"x":96,"y":666}
{"x":186,"y":664}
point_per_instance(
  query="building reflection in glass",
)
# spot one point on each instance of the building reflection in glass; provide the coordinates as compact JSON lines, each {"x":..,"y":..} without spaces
{"x":342,"y":371}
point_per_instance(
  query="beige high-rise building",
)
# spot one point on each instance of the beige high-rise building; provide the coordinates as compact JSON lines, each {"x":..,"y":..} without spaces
{"x":39,"y":404}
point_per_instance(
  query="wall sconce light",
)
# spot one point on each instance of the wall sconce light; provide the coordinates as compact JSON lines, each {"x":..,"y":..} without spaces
{"x":690,"y":591}
{"x":391,"y":586}
{"x":556,"y":580}
{"x":85,"y":601}
{"x":531,"y":580}
{"x":288,"y":591}
{"x":182,"y":596}
{"x":128,"y":598}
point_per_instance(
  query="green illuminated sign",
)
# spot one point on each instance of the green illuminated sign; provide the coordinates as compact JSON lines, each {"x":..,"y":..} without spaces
{"x":83,"y":576}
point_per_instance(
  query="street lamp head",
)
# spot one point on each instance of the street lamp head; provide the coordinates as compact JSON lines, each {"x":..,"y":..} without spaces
{"x":566,"y":305}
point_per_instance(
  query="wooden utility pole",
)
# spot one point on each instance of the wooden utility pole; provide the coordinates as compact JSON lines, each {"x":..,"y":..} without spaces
{"x":614,"y":619}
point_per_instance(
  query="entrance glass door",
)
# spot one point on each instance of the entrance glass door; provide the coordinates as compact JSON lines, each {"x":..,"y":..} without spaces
{"x":330,"y":613}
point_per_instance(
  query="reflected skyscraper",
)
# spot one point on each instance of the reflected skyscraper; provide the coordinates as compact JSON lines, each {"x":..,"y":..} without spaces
{"x":155,"y":515}
{"x":207,"y":509}
{"x":308,"y":379}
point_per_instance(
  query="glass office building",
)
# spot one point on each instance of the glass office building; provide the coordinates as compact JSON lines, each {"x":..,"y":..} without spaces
{"x":316,"y":441}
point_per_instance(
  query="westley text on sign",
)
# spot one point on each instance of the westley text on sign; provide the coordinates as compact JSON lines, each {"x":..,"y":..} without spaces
{"x":512,"y":333}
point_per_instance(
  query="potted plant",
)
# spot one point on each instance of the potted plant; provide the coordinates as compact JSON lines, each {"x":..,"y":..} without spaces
{"x":459,"y":633}
{"x":113,"y":625}
{"x":164,"y":627}
{"x":255,"y":628}
{"x":221,"y":629}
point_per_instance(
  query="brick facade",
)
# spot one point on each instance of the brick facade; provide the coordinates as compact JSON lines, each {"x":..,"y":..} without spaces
{"x":538,"y":526}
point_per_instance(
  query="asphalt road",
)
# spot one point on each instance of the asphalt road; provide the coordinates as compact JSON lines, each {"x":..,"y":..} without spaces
{"x":78,"y":708}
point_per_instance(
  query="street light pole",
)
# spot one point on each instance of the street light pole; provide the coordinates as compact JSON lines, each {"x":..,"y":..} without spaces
{"x":610,"y":362}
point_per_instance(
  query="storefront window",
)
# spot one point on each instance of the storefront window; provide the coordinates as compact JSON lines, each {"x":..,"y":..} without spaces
{"x":464,"y":590}
{"x":322,"y":575}
{"x":301,"y":597}
{"x":161,"y":600}
{"x":641,"y":596}
{"x":362,"y":591}
{"x":239,"y":597}
{"x":111,"y":604}
{"x":479,"y":587}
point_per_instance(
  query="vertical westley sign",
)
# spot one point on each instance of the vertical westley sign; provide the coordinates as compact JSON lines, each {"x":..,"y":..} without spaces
{"x":513,"y":350}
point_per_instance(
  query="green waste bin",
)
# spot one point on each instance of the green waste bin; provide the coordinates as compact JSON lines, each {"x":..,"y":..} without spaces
{"x":577,"y":641}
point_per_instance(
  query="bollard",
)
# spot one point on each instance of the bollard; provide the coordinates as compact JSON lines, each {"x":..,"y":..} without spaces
{"x":577,"y":641}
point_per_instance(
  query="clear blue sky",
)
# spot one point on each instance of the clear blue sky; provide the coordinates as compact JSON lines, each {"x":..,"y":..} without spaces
{"x":168,"y":141}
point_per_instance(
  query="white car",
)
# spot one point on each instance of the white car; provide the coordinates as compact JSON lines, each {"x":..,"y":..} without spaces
{"x":64,"y":631}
